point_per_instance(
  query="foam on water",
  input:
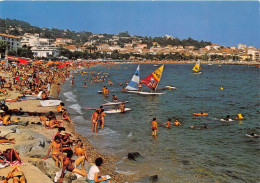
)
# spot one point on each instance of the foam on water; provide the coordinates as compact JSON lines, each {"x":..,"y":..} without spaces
{"x":76,"y":107}
{"x":130,"y":134}
{"x":70,"y":97}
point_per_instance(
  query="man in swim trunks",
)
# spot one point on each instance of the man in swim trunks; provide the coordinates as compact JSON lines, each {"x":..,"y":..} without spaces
{"x":140,"y":86}
{"x":154,"y":127}
{"x":122,"y":107}
{"x":70,"y":166}
{"x":168,"y":124}
{"x":56,"y":148}
{"x":94,"y":120}
{"x":176,"y":123}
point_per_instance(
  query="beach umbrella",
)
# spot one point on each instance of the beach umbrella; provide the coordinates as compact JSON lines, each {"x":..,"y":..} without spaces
{"x":62,"y":65}
{"x":22,"y":61}
{"x":50,"y":63}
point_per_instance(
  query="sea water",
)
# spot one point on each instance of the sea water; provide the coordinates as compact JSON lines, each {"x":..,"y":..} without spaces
{"x":220,"y":153}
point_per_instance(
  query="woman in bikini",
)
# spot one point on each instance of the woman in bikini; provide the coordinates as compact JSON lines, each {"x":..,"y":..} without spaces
{"x":16,"y":174}
{"x":80,"y":151}
{"x":56,"y":148}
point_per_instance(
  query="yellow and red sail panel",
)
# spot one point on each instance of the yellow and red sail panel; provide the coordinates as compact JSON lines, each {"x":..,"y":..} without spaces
{"x":153,"y":78}
{"x":197,"y":67}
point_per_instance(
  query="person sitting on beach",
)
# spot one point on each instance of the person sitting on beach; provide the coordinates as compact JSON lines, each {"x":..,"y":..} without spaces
{"x":5,"y":140}
{"x":7,"y":119}
{"x":69,"y":165}
{"x":80,"y":151}
{"x":94,"y":173}
{"x":176,"y":123}
{"x":10,"y":155}
{"x":94,"y":120}
{"x":168,"y":124}
{"x":61,"y":107}
{"x":154,"y":127}
{"x":114,"y":98}
{"x":52,"y":123}
{"x":44,"y":96}
{"x":56,"y":148}
{"x":65,"y":116}
{"x":60,"y":129}
{"x":16,"y":174}
{"x":66,"y":142}
{"x":122,"y":107}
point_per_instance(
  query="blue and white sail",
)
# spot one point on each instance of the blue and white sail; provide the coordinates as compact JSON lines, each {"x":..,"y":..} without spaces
{"x":133,"y":84}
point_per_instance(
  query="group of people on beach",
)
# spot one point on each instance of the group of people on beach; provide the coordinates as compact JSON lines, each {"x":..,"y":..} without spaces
{"x":45,"y":80}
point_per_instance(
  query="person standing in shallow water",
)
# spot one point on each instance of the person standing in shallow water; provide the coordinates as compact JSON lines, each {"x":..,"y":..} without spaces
{"x":73,"y":82}
{"x":154,"y":127}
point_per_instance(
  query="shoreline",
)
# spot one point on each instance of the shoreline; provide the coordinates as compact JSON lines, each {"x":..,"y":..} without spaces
{"x":33,"y":106}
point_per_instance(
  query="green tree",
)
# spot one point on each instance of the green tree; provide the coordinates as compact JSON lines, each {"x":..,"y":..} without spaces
{"x":3,"y":47}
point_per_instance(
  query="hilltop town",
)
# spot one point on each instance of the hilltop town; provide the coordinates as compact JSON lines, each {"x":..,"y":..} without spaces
{"x":18,"y":38}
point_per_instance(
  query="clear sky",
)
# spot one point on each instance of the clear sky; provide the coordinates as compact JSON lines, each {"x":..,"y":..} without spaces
{"x":222,"y":22}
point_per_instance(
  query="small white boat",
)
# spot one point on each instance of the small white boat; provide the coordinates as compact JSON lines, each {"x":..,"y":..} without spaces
{"x":113,"y":103}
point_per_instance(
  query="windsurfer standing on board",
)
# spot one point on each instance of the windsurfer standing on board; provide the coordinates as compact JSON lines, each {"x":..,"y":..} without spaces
{"x":153,"y":87}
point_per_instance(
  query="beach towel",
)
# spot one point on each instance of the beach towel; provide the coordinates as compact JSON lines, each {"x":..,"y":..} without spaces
{"x":16,"y":162}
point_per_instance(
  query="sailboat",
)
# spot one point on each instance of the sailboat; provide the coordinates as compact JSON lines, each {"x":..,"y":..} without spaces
{"x":197,"y":68}
{"x":133,"y":84}
{"x":149,"y":81}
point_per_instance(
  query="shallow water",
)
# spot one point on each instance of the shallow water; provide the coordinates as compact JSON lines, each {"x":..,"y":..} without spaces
{"x":221,"y":153}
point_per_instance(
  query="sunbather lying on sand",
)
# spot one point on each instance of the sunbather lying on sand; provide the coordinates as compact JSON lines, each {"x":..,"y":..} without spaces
{"x":5,"y":140}
{"x":16,"y":174}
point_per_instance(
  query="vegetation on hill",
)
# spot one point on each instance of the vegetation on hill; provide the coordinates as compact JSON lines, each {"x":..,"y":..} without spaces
{"x":18,"y":28}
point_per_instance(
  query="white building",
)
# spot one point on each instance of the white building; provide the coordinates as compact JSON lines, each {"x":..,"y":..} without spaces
{"x":31,"y":40}
{"x":13,"y":41}
{"x":241,"y":46}
{"x":41,"y":47}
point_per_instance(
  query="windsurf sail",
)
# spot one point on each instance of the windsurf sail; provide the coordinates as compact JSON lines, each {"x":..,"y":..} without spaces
{"x":133,"y":84}
{"x":154,"y":77}
{"x":197,"y":67}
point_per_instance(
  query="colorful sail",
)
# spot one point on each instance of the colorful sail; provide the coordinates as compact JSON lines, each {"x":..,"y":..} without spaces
{"x":197,"y":67}
{"x":153,"y":78}
{"x":133,"y":84}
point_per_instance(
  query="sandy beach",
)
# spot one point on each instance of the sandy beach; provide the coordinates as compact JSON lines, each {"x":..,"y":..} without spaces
{"x":32,"y":141}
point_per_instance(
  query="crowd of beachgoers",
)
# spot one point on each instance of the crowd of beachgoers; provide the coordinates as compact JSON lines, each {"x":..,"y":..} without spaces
{"x":40,"y":144}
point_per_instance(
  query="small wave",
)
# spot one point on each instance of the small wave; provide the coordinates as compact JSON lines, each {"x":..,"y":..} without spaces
{"x":130,"y":134}
{"x":70,"y":97}
{"x":76,"y":107}
{"x":125,"y":172}
{"x":78,"y":118}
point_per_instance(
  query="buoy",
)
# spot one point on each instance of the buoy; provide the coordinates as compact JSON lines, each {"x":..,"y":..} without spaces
{"x":240,"y":116}
{"x":221,"y":88}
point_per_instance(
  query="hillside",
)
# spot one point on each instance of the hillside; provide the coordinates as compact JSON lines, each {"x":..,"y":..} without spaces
{"x":18,"y":28}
